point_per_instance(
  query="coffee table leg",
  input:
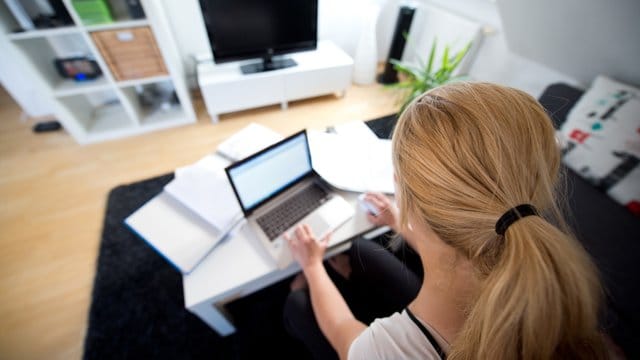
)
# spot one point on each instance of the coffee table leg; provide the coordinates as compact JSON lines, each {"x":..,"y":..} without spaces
{"x":216,"y":316}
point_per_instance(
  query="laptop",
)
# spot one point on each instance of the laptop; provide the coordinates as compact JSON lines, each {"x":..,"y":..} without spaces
{"x":277,"y":190}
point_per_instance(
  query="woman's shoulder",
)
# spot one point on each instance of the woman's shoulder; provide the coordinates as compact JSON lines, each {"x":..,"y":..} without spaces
{"x":392,"y":337}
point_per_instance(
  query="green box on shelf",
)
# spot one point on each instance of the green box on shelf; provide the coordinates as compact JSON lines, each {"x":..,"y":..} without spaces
{"x":93,"y":12}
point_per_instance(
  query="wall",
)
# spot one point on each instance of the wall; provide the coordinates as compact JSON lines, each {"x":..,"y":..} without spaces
{"x":188,"y":28}
{"x":582,"y":38}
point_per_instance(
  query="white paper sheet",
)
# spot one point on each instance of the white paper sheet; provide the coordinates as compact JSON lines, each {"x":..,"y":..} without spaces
{"x":247,"y":141}
{"x":356,"y":130}
{"x":207,"y":193}
{"x":172,"y":230}
{"x":354,"y":164}
{"x":211,"y":162}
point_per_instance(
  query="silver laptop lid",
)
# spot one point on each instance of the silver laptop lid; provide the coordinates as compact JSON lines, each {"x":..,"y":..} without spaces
{"x":267,"y":173}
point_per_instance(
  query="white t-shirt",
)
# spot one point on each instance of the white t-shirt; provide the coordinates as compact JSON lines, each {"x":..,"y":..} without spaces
{"x":396,"y":337}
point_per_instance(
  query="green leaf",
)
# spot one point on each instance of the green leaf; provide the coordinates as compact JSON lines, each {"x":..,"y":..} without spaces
{"x":441,"y":75}
{"x":457,"y":59}
{"x":445,"y":57}
{"x":432,"y":54}
{"x":407,"y":69}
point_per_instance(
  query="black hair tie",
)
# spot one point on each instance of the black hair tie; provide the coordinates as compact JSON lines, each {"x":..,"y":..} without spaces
{"x":513,"y":215}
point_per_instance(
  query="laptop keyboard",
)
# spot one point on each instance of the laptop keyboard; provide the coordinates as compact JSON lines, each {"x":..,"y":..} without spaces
{"x":292,"y":210}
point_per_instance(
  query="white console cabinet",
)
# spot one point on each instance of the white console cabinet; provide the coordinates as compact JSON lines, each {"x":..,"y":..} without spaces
{"x":322,"y":71}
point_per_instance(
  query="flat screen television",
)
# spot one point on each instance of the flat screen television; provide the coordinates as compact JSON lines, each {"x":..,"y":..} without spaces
{"x":246,"y":29}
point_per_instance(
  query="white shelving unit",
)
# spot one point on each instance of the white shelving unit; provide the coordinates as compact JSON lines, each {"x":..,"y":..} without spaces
{"x":103,"y":108}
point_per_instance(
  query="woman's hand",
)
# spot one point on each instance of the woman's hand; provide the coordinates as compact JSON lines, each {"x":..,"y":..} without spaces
{"x":304,"y":247}
{"x":387,"y":211}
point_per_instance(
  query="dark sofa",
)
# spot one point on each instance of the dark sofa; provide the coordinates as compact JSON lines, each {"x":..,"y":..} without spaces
{"x":609,"y":232}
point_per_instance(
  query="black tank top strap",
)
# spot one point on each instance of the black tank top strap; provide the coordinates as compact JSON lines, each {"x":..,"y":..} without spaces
{"x":427,"y":334}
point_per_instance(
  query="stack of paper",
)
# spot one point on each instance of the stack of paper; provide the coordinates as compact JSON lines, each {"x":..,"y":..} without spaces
{"x":207,"y":193}
{"x":247,"y":141}
{"x":353,"y":158}
{"x":172,"y":230}
{"x":199,"y":195}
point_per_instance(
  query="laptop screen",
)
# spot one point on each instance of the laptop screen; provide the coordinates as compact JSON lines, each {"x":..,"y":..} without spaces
{"x":269,"y":171}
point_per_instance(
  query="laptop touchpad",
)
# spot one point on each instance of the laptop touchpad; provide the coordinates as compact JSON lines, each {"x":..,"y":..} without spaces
{"x":330,"y":216}
{"x":319,"y":226}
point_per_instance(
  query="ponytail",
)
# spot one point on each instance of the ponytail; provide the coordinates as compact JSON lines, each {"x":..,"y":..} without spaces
{"x":540,"y":301}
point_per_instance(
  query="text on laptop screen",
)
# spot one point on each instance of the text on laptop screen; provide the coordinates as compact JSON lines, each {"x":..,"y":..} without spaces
{"x":266,"y":174}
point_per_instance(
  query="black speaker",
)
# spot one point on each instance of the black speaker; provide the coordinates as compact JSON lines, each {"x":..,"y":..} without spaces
{"x":403,"y":25}
{"x":135,"y":9}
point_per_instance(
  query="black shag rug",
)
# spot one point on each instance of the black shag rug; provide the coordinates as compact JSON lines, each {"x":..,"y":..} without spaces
{"x":137,"y":309}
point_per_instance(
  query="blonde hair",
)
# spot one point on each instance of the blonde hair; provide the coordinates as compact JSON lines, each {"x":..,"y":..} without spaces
{"x":464,"y":154}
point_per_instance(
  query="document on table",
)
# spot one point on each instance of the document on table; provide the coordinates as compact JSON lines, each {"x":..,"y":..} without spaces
{"x":352,"y":163}
{"x":248,"y":141}
{"x":210,"y":162}
{"x":171,"y":229}
{"x":356,"y":130}
{"x":191,"y":216}
{"x":207,"y":193}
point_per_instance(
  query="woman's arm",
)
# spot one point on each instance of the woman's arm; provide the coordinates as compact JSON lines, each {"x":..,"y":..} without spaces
{"x":332,"y":313}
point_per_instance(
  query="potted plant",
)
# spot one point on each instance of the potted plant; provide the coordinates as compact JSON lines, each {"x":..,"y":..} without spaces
{"x":418,"y":79}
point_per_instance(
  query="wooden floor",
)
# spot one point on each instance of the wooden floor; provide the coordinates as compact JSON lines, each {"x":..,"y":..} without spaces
{"x":52,"y":201}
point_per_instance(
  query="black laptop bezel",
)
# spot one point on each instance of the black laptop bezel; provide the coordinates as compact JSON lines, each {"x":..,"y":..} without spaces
{"x":310,"y":173}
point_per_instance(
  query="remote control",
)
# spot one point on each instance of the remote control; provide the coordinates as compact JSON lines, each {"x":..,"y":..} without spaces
{"x":47,"y":126}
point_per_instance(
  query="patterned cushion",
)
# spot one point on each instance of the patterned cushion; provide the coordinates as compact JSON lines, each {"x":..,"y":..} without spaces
{"x":601,"y":140}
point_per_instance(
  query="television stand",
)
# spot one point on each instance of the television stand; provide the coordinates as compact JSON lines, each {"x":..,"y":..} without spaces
{"x":225,"y":89}
{"x":267,"y":64}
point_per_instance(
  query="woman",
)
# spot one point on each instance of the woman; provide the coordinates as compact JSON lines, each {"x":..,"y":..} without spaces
{"x":476,"y":169}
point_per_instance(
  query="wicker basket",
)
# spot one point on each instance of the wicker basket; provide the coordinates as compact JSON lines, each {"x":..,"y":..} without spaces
{"x":130,"y":53}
